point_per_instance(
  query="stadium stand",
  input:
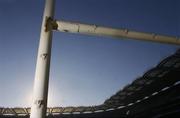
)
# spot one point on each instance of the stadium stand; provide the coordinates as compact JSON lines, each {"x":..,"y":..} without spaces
{"x":154,"y":95}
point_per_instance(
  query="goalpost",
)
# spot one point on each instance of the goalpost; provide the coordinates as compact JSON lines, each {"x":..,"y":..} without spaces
{"x":40,"y":92}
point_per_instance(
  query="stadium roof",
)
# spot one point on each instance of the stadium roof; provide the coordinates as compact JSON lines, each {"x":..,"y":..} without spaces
{"x":155,"y":81}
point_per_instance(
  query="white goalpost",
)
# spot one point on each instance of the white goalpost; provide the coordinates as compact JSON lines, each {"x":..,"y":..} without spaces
{"x":40,"y":92}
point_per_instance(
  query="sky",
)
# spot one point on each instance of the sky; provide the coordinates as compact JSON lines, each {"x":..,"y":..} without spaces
{"x":85,"y":70}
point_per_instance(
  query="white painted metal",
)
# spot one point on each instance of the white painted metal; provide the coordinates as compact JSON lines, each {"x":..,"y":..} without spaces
{"x":71,"y":27}
{"x":40,"y":93}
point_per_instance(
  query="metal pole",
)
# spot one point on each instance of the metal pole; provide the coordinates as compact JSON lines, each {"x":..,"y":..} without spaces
{"x":87,"y":29}
{"x":40,"y":93}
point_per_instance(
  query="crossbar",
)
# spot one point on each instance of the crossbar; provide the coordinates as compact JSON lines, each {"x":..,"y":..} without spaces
{"x":88,"y":29}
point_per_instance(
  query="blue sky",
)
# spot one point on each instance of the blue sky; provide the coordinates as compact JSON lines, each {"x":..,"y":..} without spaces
{"x":85,"y":70}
